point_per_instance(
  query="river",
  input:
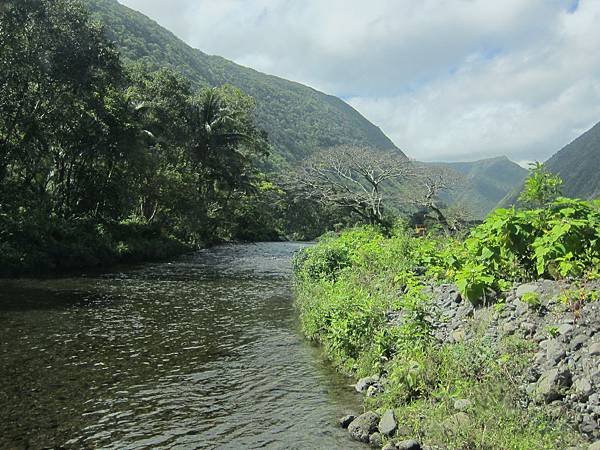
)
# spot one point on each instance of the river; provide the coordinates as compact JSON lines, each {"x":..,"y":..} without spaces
{"x":200,"y":352}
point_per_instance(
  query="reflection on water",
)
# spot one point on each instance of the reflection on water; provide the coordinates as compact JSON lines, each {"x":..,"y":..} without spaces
{"x":202,"y":352}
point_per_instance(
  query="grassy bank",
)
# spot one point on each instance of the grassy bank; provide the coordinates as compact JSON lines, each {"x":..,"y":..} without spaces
{"x":33,"y":247}
{"x":351,"y":286}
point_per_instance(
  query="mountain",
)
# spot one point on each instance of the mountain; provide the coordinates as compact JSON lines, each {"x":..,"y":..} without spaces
{"x":578,"y":164}
{"x":487,"y":183}
{"x":297,"y":118}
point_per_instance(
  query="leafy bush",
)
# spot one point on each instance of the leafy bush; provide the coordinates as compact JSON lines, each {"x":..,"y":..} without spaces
{"x":512,"y":245}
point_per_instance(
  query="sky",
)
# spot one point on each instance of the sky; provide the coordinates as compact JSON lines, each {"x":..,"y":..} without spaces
{"x":446,"y":80}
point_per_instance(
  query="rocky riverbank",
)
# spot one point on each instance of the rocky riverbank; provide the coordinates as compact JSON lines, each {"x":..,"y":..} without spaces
{"x":559,"y":321}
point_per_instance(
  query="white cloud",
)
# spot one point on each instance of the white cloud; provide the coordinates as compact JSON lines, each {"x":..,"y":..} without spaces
{"x":452,"y":80}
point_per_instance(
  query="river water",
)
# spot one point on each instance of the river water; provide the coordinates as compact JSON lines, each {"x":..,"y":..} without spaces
{"x":201,"y":352}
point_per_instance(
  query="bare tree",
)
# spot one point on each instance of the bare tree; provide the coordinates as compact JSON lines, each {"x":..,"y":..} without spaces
{"x":430,"y":181}
{"x":357,"y":178}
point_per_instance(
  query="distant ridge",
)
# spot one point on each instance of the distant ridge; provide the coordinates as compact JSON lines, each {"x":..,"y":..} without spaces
{"x":488,"y":181}
{"x":578,"y":164}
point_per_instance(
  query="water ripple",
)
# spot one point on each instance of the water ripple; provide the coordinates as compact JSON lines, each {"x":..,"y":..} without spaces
{"x":202,"y":352}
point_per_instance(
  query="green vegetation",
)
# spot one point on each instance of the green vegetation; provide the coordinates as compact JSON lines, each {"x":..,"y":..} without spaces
{"x":298,"y":119}
{"x":103,"y":162}
{"x":364,"y":295}
{"x":541,"y":187}
{"x":486,"y":183}
{"x":577,"y":164}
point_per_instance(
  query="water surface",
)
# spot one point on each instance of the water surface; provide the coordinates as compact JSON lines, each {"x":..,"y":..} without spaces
{"x":202,"y":352}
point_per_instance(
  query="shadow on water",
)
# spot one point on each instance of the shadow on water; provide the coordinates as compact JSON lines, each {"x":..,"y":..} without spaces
{"x":202,"y":352}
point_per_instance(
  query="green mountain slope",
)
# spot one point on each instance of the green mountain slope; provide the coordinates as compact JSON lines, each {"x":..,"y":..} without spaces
{"x":299,"y":119}
{"x":579,"y":165}
{"x":488,"y":181}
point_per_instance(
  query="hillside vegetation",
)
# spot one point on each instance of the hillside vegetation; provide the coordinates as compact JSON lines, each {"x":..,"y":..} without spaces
{"x":578,"y":164}
{"x":487,"y":182}
{"x":370,"y":299}
{"x":298,"y":119}
{"x":104,"y":162}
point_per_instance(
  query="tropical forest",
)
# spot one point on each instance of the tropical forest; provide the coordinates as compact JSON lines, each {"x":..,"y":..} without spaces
{"x":198,"y":253}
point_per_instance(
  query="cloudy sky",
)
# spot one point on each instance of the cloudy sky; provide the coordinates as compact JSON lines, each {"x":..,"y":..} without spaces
{"x":445,"y":79}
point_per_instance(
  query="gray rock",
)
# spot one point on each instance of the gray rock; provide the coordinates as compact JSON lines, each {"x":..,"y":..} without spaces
{"x":465,"y":310}
{"x":363,"y":426}
{"x":363,"y":384}
{"x":528,"y":327}
{"x":552,"y":385}
{"x":462,"y":404}
{"x":594,"y":446}
{"x":376,"y":440}
{"x":410,"y":444}
{"x":346,"y":420}
{"x":578,"y":341}
{"x":555,"y":351}
{"x":509,"y":328}
{"x":373,"y":390}
{"x":526,"y":289}
{"x":389,"y":446}
{"x":565,"y":328}
{"x":583,"y":386}
{"x":388,"y":424}
{"x":588,"y":425}
{"x":594,"y":349}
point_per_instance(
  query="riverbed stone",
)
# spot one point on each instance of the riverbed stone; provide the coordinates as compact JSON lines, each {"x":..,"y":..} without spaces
{"x":363,"y":426}
{"x":346,"y":420}
{"x":375,"y":440}
{"x":594,"y":349}
{"x":552,"y":384}
{"x":555,"y":351}
{"x":583,"y":387}
{"x":409,"y":444}
{"x":388,"y":424}
{"x":526,"y":289}
{"x":594,"y":446}
{"x":373,"y":390}
{"x":364,"y":383}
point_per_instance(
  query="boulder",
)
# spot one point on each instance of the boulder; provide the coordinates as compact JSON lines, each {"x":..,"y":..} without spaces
{"x":363,"y":426}
{"x":388,"y":424}
{"x":410,"y":444}
{"x":555,"y":351}
{"x":373,"y":390}
{"x":375,"y":440}
{"x":594,"y":446}
{"x":552,"y":385}
{"x":583,"y":387}
{"x":526,"y":289}
{"x":594,"y":349}
{"x":363,"y":384}
{"x":346,"y":420}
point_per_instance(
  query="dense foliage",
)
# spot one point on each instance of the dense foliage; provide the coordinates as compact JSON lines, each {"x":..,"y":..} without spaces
{"x":103,"y":162}
{"x":364,"y":295}
{"x":299,"y":119}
